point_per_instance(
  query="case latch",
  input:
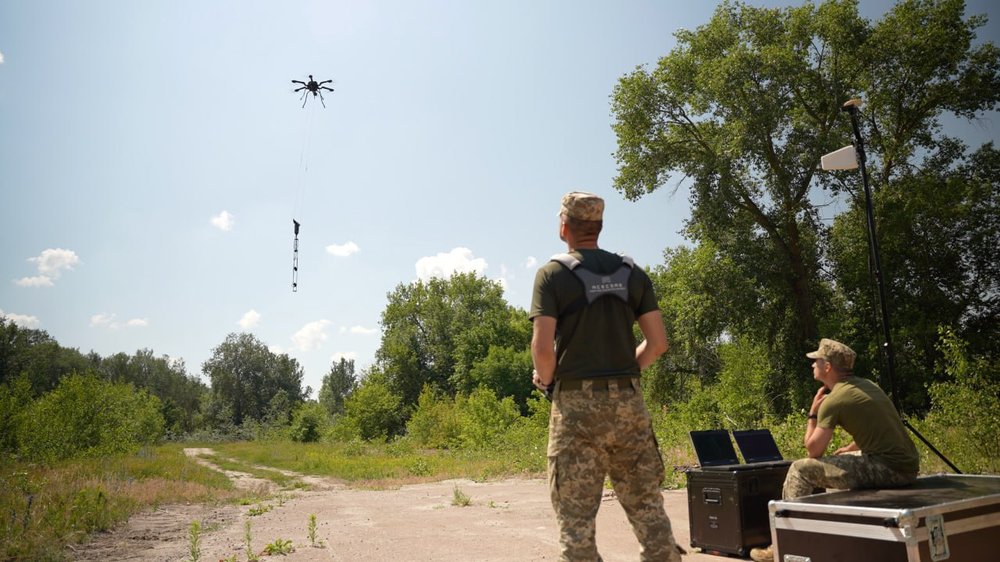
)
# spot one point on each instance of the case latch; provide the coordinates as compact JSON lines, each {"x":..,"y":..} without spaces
{"x":937,"y":539}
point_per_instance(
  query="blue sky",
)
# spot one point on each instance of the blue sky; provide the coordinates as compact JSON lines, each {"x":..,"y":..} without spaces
{"x":153,"y":156}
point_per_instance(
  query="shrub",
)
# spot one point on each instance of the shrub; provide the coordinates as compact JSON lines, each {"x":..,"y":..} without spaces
{"x":343,"y":430}
{"x":309,"y":422}
{"x":435,"y":422}
{"x":85,"y":416}
{"x":15,"y":399}
{"x":485,"y":419}
{"x":374,"y":409}
{"x":965,"y":410}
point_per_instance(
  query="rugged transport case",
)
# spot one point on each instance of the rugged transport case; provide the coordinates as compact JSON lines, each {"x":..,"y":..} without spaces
{"x":727,"y":510}
{"x":944,"y":517}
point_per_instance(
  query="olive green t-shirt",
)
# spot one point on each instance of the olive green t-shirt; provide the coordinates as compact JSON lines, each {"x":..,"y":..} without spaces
{"x":596,"y":340}
{"x":860,"y":407}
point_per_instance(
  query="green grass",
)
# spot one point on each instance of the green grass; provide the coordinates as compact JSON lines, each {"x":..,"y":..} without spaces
{"x":44,"y":508}
{"x":377,"y":466}
{"x":283,"y":481}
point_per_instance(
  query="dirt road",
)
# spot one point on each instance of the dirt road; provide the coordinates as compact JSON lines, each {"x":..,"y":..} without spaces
{"x":507,"y":520}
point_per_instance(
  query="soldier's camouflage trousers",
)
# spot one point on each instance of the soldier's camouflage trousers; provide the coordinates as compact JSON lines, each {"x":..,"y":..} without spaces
{"x":843,"y":472}
{"x":595,"y":432}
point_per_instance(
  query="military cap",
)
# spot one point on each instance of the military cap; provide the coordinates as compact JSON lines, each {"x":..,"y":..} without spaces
{"x":582,"y":206}
{"x":835,"y":353}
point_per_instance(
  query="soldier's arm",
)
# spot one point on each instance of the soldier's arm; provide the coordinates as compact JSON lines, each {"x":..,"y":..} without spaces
{"x":817,"y":439}
{"x":655,"y":343}
{"x":543,"y":352}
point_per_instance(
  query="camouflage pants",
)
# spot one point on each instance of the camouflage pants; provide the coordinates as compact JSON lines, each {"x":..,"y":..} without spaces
{"x":844,"y":472}
{"x":598,"y":432}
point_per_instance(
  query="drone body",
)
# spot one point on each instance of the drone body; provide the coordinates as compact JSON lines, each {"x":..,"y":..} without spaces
{"x":313,"y":87}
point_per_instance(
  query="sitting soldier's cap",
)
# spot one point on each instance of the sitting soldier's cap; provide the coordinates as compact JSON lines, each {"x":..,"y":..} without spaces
{"x":582,"y":206}
{"x":835,"y":353}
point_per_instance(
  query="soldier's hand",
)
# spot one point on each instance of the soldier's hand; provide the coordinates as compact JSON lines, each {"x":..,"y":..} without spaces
{"x":537,"y":381}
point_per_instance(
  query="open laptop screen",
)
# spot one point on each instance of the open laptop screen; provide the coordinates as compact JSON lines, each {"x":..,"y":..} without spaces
{"x":714,"y":447}
{"x":757,"y":445}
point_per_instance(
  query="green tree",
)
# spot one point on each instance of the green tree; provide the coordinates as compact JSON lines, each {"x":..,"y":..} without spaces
{"x":337,"y":385}
{"x":435,"y":422}
{"x":698,"y":290}
{"x":309,"y":422}
{"x":966,"y":407}
{"x":86,"y":416}
{"x":35,"y":354}
{"x":374,"y":409}
{"x":167,"y":379}
{"x":15,"y":401}
{"x":484,"y":418}
{"x":498,"y":328}
{"x":431,"y":332}
{"x":744,"y":107}
{"x":939,"y":227}
{"x":246,"y":376}
{"x":506,"y":372}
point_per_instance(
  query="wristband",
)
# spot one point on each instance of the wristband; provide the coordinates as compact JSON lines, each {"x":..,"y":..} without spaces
{"x":813,"y":416}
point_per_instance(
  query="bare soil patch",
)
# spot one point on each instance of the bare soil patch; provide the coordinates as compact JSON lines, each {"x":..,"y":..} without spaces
{"x":507,"y":520}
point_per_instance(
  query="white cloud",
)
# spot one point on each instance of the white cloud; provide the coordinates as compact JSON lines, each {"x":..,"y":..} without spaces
{"x":110,"y":321}
{"x":343,"y":250}
{"x":224,"y":221}
{"x":459,"y":260}
{"x":50,"y":263}
{"x":530,"y":262}
{"x":102,"y":321}
{"x":22,"y":320}
{"x":40,"y":281}
{"x":53,"y":261}
{"x":504,"y":277}
{"x":358,"y":330}
{"x":276,"y":349}
{"x":311,"y":336}
{"x":348,"y":355}
{"x":250,"y":319}
{"x":1,"y":58}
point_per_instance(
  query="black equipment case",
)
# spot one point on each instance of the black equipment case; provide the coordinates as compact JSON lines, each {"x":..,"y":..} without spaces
{"x":728,"y":510}
{"x":944,"y":517}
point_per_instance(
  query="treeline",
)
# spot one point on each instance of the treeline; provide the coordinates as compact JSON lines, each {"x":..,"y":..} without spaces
{"x":447,"y":337}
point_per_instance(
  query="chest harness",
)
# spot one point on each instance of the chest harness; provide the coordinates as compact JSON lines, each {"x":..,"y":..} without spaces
{"x":596,"y":285}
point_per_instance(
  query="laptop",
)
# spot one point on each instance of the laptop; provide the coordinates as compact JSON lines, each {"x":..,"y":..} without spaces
{"x":715,"y":451}
{"x":758,"y":448}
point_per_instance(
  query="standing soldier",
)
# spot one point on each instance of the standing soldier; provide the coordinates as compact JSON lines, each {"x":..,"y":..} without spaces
{"x":583,"y":307}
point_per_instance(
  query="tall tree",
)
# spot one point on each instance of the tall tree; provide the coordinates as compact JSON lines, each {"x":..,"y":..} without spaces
{"x":337,"y":385}
{"x":179,"y":393}
{"x":744,"y":107}
{"x":246,"y":376}
{"x":430,"y":332}
{"x":939,"y":227}
{"x":35,"y":354}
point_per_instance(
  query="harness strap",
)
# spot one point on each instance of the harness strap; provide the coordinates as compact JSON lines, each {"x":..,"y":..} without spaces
{"x":596,"y":285}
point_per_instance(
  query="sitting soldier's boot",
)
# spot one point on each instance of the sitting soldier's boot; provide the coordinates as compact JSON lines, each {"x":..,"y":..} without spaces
{"x":762,"y":554}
